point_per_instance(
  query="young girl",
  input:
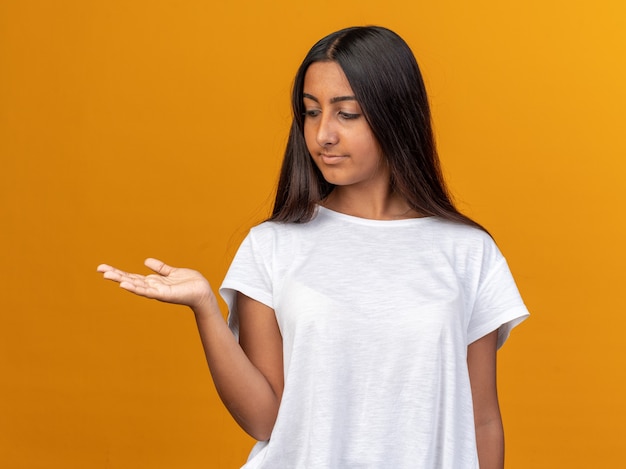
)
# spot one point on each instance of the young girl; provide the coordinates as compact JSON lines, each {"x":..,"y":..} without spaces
{"x":365,"y":314}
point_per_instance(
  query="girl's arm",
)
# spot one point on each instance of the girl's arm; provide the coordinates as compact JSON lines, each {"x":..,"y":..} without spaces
{"x":481,"y":362}
{"x":248,"y":377}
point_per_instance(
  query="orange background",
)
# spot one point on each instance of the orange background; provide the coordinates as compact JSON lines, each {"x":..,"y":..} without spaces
{"x":155,"y":128}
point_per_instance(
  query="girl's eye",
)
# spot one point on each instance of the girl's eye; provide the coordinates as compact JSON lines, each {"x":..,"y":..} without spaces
{"x":342,"y":114}
{"x":348,"y":115}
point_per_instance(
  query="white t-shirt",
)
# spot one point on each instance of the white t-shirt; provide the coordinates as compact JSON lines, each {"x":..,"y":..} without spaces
{"x":376,"y":317}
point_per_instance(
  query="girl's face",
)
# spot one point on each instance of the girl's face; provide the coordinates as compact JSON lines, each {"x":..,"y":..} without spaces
{"x":336,"y":132}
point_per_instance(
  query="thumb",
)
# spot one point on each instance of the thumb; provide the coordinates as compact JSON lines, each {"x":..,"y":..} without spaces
{"x":158,"y":266}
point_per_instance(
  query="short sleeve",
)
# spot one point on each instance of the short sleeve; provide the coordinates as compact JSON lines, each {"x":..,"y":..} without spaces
{"x":498,"y":303}
{"x":249,"y":273}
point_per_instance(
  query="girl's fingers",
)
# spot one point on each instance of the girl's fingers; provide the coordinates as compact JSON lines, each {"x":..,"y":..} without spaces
{"x":148,"y":286}
{"x":141,"y":288}
{"x":111,"y":273}
{"x":158,"y":266}
{"x":104,"y":268}
{"x":155,"y":265}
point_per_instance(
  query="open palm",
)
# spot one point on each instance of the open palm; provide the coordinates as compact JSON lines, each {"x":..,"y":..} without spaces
{"x":169,"y":284}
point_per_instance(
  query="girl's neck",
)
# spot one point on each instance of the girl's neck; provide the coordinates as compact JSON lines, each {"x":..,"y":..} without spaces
{"x":387,"y":206}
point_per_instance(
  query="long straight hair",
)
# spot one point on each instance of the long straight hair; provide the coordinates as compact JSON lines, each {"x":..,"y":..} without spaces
{"x":387,"y":83}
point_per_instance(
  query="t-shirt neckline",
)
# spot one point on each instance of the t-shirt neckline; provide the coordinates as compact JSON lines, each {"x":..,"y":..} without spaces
{"x":324,"y":211}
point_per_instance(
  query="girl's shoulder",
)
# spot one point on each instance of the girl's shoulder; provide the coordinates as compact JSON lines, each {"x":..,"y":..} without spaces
{"x":270,"y":235}
{"x":460,"y":231}
{"x":466,"y":242}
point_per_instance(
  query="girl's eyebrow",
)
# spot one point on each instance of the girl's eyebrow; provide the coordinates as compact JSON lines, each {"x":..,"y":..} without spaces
{"x":332,"y":101}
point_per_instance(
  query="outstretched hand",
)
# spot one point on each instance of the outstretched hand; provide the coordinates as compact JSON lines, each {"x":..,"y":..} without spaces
{"x":169,"y":284}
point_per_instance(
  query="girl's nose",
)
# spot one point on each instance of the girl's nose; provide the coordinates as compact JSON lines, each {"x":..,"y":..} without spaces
{"x":327,"y":132}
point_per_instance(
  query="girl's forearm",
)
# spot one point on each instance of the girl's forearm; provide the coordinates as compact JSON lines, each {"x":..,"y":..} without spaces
{"x":490,"y":444}
{"x":244,"y":390}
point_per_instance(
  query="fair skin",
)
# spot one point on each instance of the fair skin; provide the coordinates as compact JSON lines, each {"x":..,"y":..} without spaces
{"x":249,"y":374}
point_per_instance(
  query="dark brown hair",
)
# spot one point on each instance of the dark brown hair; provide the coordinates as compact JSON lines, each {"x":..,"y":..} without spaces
{"x":387,"y":83}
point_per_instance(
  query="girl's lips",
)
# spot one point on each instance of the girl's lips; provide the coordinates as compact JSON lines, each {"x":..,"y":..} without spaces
{"x":332,"y":159}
